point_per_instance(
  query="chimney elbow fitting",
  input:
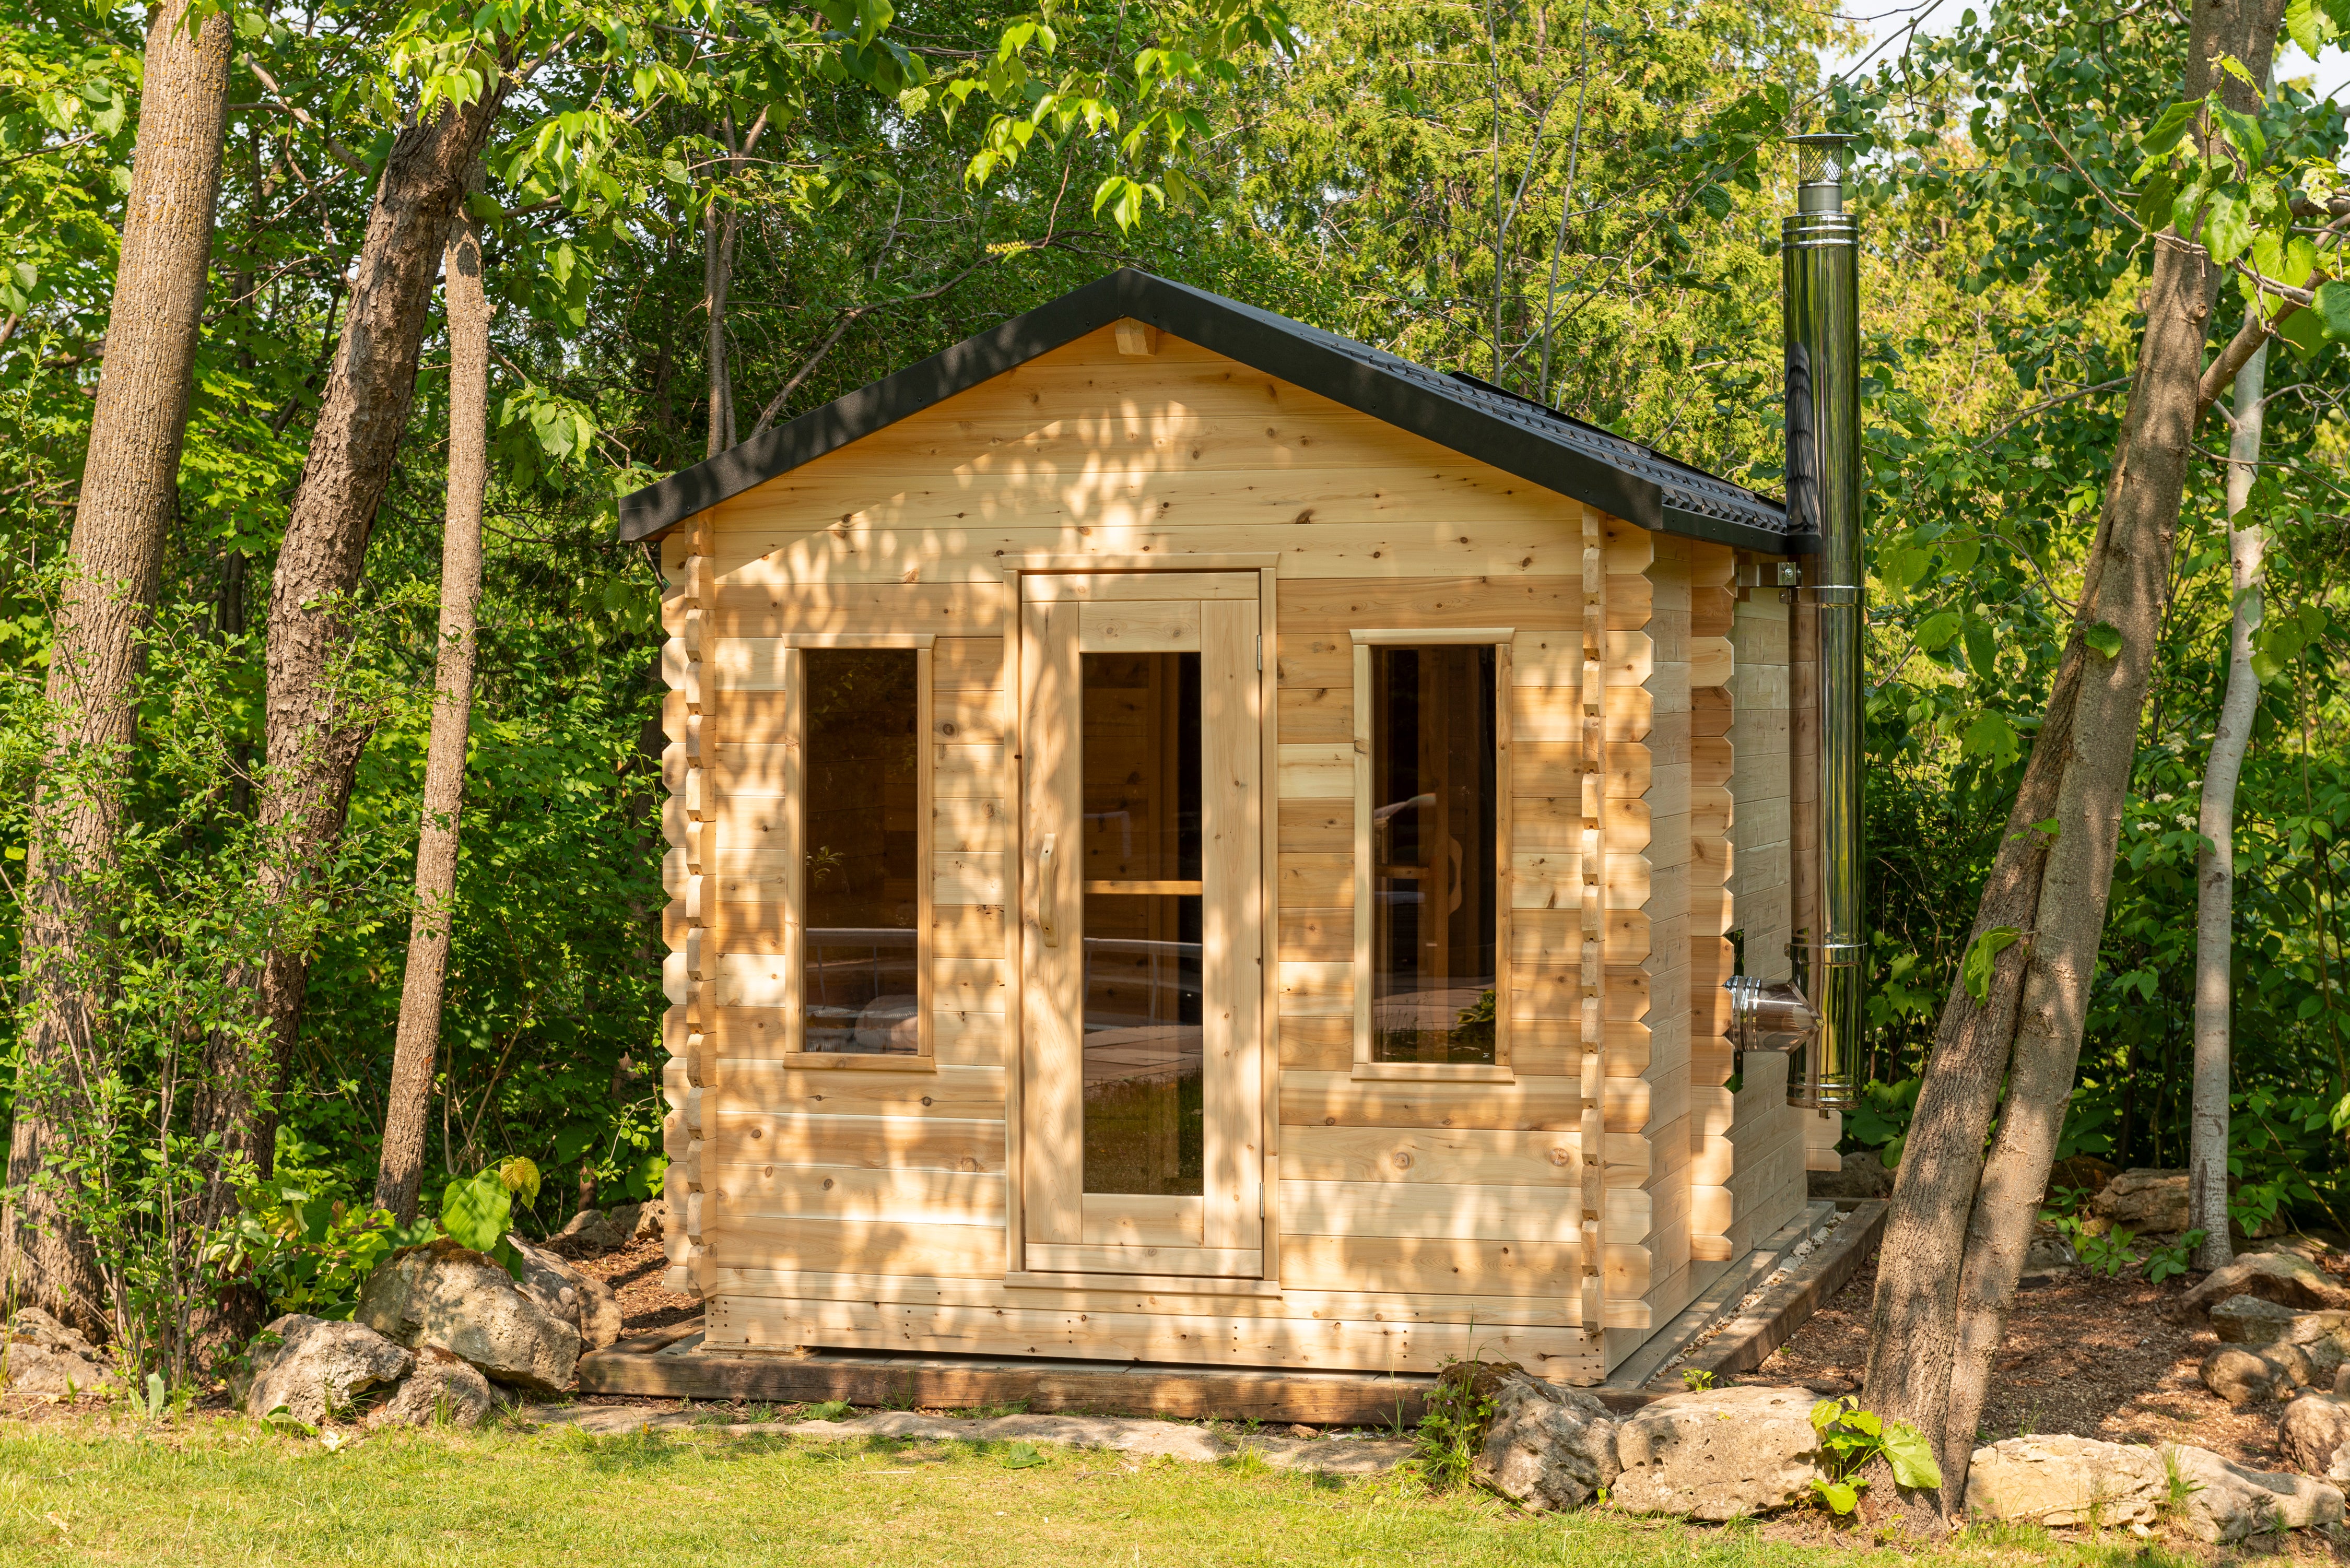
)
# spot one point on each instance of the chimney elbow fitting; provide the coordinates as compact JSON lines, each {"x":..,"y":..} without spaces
{"x":1768,"y":1017}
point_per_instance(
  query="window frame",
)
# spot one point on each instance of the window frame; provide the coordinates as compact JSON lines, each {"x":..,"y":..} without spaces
{"x":796,"y":645}
{"x":1500,"y":639}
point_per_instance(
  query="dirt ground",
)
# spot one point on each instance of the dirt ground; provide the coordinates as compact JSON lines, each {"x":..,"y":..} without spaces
{"x":2083,"y":1354}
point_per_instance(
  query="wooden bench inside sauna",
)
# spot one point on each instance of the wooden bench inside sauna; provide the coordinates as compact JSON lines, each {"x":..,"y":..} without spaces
{"x":1196,"y":840}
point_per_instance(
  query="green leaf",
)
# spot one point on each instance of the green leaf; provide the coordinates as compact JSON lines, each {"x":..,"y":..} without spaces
{"x":2168,"y":128}
{"x":2155,"y":198}
{"x":2104,"y":638}
{"x":1841,"y":1496}
{"x":1982,"y":652}
{"x":520,"y":1176}
{"x":1981,"y":953}
{"x":2242,"y":132}
{"x":1990,"y":735}
{"x":475,"y":1213}
{"x":2333,"y":308}
{"x":1022,"y":1456}
{"x":2306,"y":26}
{"x":1936,"y":634}
{"x":1910,"y":1454}
{"x":2227,"y":226}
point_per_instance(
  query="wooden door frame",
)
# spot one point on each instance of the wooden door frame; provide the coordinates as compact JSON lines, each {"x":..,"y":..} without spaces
{"x":1267,"y":565}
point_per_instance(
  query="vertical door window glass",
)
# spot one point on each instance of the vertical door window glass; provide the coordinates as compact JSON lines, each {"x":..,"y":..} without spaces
{"x":1144,"y":1105}
{"x":1433,"y":848}
{"x":861,"y":982}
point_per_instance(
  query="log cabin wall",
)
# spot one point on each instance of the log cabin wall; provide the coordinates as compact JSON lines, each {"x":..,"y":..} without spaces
{"x":1409,"y":1220}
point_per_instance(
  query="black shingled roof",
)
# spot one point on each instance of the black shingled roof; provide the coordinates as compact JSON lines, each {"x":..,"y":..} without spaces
{"x":1515,"y":434}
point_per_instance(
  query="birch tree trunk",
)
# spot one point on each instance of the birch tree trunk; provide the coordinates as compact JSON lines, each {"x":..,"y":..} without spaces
{"x":401,"y":1168}
{"x":313,"y":733}
{"x":1961,"y":1222}
{"x":2215,"y":868}
{"x":129,"y":496}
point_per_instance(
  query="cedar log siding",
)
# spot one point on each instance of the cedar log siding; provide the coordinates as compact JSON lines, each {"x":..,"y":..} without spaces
{"x":1408,"y":1221}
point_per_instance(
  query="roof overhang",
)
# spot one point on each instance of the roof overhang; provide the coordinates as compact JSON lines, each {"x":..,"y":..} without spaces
{"x":1538,"y":445}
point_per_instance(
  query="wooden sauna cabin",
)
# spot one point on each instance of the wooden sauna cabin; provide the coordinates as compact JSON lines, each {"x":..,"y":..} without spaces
{"x":1196,"y":840}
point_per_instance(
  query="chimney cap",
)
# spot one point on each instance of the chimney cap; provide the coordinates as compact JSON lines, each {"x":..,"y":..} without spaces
{"x":1822,"y":158}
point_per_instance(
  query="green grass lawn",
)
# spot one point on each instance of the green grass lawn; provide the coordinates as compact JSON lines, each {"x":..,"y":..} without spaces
{"x":205,"y":1491}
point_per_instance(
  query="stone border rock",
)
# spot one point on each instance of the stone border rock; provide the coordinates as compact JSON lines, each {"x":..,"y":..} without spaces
{"x":1336,"y":1456}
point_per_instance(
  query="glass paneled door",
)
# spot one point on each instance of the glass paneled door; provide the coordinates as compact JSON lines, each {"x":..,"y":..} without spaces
{"x":1142,"y":934}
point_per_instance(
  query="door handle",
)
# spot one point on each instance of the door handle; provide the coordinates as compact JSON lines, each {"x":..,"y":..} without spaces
{"x":1048,"y":904}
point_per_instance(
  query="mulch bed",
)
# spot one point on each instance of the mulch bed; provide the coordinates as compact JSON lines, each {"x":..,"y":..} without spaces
{"x":2084,"y":1355}
{"x":635,"y":1274}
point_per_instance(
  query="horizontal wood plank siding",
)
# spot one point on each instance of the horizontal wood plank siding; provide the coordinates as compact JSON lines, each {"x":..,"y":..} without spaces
{"x":870,"y":1209}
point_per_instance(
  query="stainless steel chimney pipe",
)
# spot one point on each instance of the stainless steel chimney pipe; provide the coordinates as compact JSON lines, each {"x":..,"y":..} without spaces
{"x":1820,"y":248}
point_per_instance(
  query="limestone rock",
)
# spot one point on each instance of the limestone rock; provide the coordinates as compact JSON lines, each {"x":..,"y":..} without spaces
{"x":26,"y":1367}
{"x":444,"y":1294}
{"x":2049,"y":1253}
{"x":2145,"y":1201}
{"x":2239,"y":1376}
{"x":578,"y":1298}
{"x":314,"y":1370}
{"x":1547,"y":1446}
{"x":1719,"y":1454}
{"x":2059,"y":1480}
{"x":2062,"y":1480}
{"x":2287,"y":1279}
{"x":2229,"y":1502}
{"x":39,"y":1355}
{"x":2291,"y":1364}
{"x":2342,"y":1381}
{"x":443,"y":1390}
{"x":31,"y":1326}
{"x":2251,"y":1322}
{"x":591,"y":1233}
{"x":2313,"y":1434}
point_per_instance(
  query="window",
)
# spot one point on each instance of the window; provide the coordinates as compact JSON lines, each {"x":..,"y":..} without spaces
{"x":860,"y":844}
{"x":1431,"y":847}
{"x":1145,"y":1102}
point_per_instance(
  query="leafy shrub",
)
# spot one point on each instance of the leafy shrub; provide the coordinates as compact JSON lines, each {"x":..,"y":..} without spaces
{"x":2168,"y":1262}
{"x":1451,"y":1429}
{"x":1851,"y":1438}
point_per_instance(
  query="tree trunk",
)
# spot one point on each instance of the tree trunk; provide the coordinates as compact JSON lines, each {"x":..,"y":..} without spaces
{"x":129,"y":497}
{"x":419,"y":1040}
{"x":313,"y":730}
{"x":2215,"y":897}
{"x":718,"y":231}
{"x":1960,"y":1223}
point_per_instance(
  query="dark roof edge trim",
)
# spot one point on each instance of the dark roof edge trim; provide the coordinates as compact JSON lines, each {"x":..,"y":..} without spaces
{"x":1259,"y":339}
{"x":663,"y":505}
{"x":1745,"y":535}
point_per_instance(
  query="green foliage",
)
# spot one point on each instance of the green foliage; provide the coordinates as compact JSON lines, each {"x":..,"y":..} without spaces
{"x":1851,"y":1439}
{"x":2170,"y":1263}
{"x":1452,"y":1430}
{"x":308,"y":1244}
{"x":479,"y":1213}
{"x":1697,"y":1380}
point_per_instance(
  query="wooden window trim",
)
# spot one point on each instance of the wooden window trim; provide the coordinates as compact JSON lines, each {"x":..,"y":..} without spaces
{"x":1499,"y":638}
{"x":795,"y":645}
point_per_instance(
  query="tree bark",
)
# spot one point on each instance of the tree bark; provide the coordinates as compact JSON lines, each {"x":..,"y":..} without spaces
{"x":1961,"y":1222}
{"x":718,"y":235}
{"x":2215,"y":882}
{"x":313,"y":730}
{"x":402,"y":1165}
{"x":129,"y":497}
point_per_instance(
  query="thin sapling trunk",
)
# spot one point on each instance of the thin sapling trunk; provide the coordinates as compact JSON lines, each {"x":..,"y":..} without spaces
{"x":2215,"y":864}
{"x":418,"y":1044}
